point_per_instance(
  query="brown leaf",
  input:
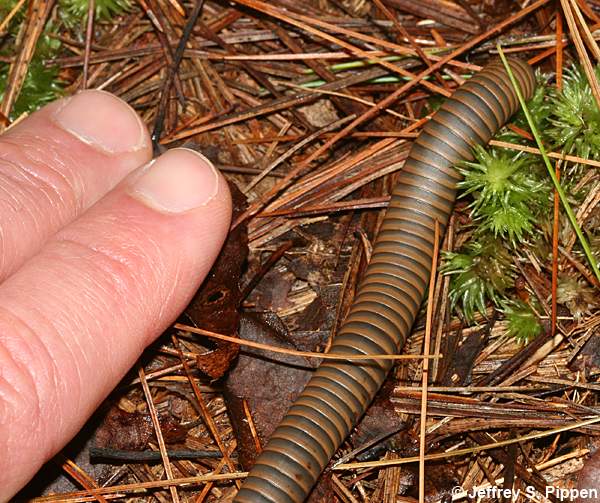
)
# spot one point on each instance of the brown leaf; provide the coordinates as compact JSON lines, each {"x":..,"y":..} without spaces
{"x":215,"y":305}
{"x":269,"y":382}
{"x":131,"y":431}
{"x":124,"y":430}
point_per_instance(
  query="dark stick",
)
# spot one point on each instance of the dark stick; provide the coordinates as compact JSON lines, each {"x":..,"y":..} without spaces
{"x":166,"y":90}
{"x":108,"y":454}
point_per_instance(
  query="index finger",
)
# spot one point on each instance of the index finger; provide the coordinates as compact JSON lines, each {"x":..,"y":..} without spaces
{"x":58,"y":162}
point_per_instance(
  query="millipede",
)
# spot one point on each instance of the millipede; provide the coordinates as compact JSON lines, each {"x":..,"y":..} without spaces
{"x":391,"y":291}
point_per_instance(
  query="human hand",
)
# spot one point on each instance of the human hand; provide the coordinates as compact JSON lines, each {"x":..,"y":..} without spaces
{"x":97,"y":257}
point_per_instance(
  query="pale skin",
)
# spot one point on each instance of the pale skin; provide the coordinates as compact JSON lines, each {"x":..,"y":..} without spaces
{"x":99,"y":253}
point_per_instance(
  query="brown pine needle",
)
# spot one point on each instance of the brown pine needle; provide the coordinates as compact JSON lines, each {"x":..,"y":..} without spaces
{"x":206,"y":416}
{"x":267,"y":168}
{"x":405,"y":34}
{"x":78,"y":474}
{"x":30,"y":32}
{"x":306,"y":354}
{"x":341,"y":95}
{"x":177,"y":6}
{"x":469,"y":451}
{"x":89,"y":35}
{"x":553,"y":155}
{"x":141,"y":487}
{"x":206,"y":489}
{"x":303,"y":22}
{"x":426,"y":349}
{"x":158,"y":432}
{"x":355,"y":204}
{"x":579,"y":46}
{"x":556,"y":209}
{"x":252,"y":426}
{"x":589,"y":38}
{"x":10,"y":15}
{"x":386,"y":102}
{"x":347,"y":495}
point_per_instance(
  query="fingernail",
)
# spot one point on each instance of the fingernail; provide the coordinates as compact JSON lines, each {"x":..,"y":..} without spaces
{"x":103,"y":121}
{"x":178,"y":181}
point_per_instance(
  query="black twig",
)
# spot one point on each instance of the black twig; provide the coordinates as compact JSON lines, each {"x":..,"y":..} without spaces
{"x":108,"y":454}
{"x":166,"y":90}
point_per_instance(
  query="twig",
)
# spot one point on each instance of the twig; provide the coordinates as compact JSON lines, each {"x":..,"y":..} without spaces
{"x":106,"y":453}
{"x":172,"y":72}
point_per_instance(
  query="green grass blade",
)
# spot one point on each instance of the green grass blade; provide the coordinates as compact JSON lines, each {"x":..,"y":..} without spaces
{"x":561,"y":193}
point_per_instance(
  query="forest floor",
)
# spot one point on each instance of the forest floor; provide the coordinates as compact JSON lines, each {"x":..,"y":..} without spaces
{"x":310,"y":108}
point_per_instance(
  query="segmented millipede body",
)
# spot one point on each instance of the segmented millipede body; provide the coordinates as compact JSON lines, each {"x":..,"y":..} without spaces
{"x":391,"y":291}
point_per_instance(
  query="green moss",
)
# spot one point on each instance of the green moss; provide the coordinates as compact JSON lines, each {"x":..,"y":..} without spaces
{"x":575,"y":118}
{"x":508,"y":193}
{"x":510,"y":207}
{"x":481,"y":272}
{"x":74,"y":11}
{"x":521,"y":321}
{"x":42,"y":85}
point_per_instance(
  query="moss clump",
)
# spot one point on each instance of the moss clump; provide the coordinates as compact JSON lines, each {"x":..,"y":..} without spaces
{"x":74,"y":11}
{"x":575,"y":118}
{"x":42,"y":85}
{"x":510,"y":206}
{"x":482,"y":272}
{"x":508,"y":193}
{"x":521,"y":321}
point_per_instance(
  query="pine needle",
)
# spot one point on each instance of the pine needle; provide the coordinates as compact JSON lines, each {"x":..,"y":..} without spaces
{"x":579,"y":45}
